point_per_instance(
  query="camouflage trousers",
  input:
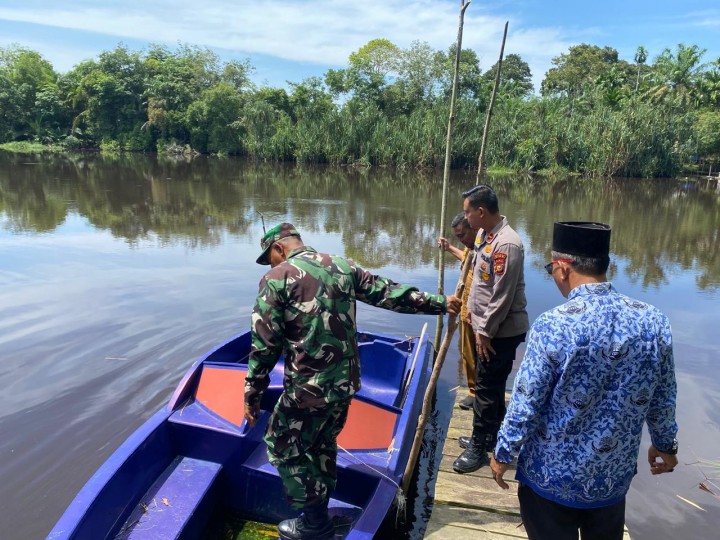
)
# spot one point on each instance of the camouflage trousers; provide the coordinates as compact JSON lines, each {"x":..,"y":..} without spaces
{"x":302,"y":445}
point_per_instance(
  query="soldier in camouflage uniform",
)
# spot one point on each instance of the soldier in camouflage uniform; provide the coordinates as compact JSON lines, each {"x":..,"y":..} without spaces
{"x":305,"y":309}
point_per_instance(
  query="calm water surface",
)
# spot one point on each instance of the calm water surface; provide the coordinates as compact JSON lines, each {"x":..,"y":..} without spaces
{"x":116,"y":274}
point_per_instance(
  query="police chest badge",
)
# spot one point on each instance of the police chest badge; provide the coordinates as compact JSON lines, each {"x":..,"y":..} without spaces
{"x":485,"y":276}
{"x":500,"y":263}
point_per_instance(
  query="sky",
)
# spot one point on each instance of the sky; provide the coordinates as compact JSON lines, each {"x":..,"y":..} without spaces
{"x":290,"y":40}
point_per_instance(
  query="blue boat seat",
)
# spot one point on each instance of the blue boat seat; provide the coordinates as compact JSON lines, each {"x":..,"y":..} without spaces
{"x":178,"y":503}
{"x":382,"y":366}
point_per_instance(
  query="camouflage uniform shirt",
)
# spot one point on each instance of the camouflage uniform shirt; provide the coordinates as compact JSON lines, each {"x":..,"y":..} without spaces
{"x":305,"y":308}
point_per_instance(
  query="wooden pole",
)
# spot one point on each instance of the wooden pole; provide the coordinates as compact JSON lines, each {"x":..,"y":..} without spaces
{"x":481,"y":158}
{"x":452,"y":319}
{"x":448,"y":158}
{"x":432,"y":383}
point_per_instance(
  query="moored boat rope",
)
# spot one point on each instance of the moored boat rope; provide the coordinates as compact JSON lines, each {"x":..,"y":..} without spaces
{"x":400,"y":499}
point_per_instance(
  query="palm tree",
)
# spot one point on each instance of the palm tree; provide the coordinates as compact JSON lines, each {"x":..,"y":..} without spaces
{"x":710,"y":84}
{"x":678,"y":74}
{"x":640,"y":58}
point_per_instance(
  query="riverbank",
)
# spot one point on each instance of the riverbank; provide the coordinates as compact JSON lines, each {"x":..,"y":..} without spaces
{"x":187,"y":153}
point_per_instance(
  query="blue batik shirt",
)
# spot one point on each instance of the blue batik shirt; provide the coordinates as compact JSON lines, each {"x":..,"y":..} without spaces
{"x":596,"y":369}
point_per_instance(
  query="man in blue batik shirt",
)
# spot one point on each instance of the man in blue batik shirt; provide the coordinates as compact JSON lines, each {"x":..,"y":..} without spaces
{"x":596,"y":369}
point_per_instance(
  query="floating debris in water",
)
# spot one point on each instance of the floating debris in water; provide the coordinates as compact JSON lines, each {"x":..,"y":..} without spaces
{"x":691,"y":503}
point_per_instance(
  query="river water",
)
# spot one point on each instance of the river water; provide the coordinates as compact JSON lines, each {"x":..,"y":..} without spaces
{"x":116,"y":273}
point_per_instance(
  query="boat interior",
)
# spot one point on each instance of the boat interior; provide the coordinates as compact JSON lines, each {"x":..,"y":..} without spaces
{"x":198,"y":458}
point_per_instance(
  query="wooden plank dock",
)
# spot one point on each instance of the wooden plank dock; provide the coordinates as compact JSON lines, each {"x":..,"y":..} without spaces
{"x":472,"y":505}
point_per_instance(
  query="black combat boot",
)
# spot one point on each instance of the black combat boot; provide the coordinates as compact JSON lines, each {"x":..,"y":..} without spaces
{"x":313,"y":524}
{"x":474,"y":456}
{"x":466,"y":403}
{"x":464,"y":442}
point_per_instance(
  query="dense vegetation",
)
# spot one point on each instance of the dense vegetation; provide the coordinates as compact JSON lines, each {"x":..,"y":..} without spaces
{"x":596,"y":115}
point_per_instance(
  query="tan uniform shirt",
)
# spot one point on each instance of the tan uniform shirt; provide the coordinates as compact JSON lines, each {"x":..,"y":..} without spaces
{"x":468,"y":284}
{"x":497,"y":296}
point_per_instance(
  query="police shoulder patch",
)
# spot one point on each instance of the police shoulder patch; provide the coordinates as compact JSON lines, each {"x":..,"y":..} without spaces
{"x":500,"y":260}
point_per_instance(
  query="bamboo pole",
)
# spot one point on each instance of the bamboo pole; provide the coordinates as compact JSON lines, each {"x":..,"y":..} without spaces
{"x":452,"y":319}
{"x":446,"y":171}
{"x":432,"y":383}
{"x":481,"y":157}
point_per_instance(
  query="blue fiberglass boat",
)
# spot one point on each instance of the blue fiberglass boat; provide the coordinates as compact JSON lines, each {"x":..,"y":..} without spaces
{"x":197,"y":458}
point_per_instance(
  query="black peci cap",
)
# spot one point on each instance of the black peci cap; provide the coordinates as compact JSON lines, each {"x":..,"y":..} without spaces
{"x":582,"y":238}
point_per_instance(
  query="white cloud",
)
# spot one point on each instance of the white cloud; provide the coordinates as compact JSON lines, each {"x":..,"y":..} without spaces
{"x":321,"y":32}
{"x":709,"y":18}
{"x":710,"y":22}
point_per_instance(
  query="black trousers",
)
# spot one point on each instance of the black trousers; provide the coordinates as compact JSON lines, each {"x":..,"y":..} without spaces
{"x":490,"y":381}
{"x":547,"y":520}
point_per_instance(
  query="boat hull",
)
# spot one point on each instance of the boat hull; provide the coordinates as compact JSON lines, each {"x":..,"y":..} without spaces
{"x":197,"y":458}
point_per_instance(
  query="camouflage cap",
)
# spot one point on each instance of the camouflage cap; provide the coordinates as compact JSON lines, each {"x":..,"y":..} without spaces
{"x":273,"y":235}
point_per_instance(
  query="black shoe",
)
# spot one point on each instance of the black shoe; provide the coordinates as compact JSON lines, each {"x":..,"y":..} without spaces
{"x":472,"y":458}
{"x":466,"y":403}
{"x":464,"y":442}
{"x":301,"y":529}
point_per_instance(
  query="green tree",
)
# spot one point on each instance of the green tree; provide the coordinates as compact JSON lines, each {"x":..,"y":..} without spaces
{"x":108,"y":97}
{"x":707,"y":129}
{"x":368,"y":73}
{"x":469,"y":77}
{"x":677,"y":75}
{"x":213,"y":120}
{"x":310,"y":100}
{"x":378,"y":57}
{"x":237,"y":74}
{"x":28,"y":96}
{"x":640,"y":58}
{"x":575,"y":72}
{"x":516,"y":77}
{"x":266,"y":122}
{"x":178,"y":78}
{"x":710,"y":85}
{"x":420,"y":70}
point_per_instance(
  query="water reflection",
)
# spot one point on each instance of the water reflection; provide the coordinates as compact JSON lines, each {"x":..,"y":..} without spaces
{"x":116,"y":273}
{"x":382,"y":216}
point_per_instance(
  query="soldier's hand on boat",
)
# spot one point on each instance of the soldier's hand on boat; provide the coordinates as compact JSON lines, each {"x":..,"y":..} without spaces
{"x":498,"y":470}
{"x":251,"y":413}
{"x":666,"y":463}
{"x":453,"y":304}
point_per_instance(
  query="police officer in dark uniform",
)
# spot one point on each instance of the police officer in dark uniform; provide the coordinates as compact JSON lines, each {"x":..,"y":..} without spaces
{"x":498,"y":317}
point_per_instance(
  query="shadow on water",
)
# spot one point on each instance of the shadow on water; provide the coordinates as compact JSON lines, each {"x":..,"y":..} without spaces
{"x":408,"y":521}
